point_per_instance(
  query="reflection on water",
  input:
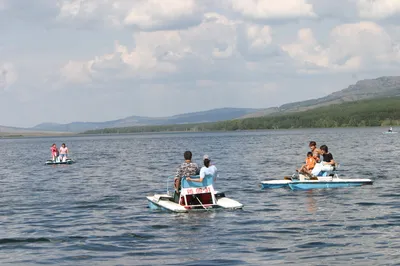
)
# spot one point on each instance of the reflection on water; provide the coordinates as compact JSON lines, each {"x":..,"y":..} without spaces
{"x":94,"y":212}
{"x":311,"y":202}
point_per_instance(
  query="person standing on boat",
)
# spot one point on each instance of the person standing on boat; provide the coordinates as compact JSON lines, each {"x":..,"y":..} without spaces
{"x":327,"y":164}
{"x":54,"y":152}
{"x":63,"y":153}
{"x":207,"y":169}
{"x":187,"y":169}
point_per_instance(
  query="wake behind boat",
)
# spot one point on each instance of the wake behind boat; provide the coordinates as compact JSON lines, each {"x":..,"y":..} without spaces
{"x":303,"y":182}
{"x":199,"y":196}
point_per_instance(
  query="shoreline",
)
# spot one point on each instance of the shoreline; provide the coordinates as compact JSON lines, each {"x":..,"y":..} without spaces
{"x":13,"y":135}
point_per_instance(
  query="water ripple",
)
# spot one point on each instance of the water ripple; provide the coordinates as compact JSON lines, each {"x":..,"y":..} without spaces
{"x":94,"y":212}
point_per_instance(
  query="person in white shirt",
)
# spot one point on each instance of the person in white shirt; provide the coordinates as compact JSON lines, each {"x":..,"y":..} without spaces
{"x":207,"y":169}
{"x":63,"y":153}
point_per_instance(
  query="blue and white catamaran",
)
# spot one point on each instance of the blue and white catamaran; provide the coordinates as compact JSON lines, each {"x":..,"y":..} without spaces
{"x":325,"y":181}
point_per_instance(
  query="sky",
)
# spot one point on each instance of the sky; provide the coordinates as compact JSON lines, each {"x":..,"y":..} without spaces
{"x":96,"y":60}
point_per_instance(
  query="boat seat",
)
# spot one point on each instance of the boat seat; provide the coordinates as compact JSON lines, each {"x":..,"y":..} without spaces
{"x":207,"y":181}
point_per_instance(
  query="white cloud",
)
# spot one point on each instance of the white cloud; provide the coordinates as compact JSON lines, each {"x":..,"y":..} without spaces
{"x":273,"y":9}
{"x":155,"y":14}
{"x":138,"y":62}
{"x":147,"y":15}
{"x":8,"y":76}
{"x":164,"y":52}
{"x":378,"y":9}
{"x":76,"y":72}
{"x":128,"y":53}
{"x":351,"y":47}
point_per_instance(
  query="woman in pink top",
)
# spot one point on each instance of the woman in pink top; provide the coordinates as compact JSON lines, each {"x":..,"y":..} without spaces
{"x":54,"y":151}
{"x":63,"y":152}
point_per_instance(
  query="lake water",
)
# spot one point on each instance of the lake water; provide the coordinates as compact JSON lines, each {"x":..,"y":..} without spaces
{"x":95,"y":212}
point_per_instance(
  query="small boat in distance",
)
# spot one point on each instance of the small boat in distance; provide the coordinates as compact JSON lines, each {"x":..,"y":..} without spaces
{"x":195,"y":196}
{"x":390,"y":131}
{"x":303,"y":182}
{"x":67,"y":161}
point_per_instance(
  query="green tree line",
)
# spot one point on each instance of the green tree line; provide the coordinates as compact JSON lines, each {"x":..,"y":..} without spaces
{"x":366,"y":113}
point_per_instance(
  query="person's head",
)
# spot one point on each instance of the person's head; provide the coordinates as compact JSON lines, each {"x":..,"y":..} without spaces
{"x":206,"y":160}
{"x":309,"y":154}
{"x":324,"y":149}
{"x":312,"y":145}
{"x":54,"y":145}
{"x":63,"y":145}
{"x":187,"y":155}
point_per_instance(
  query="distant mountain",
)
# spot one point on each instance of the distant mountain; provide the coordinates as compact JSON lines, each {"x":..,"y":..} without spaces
{"x":362,"y":90}
{"x":195,"y":117}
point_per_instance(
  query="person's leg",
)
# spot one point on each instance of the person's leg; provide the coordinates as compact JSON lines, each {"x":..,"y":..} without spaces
{"x":317,"y":169}
{"x":327,"y":169}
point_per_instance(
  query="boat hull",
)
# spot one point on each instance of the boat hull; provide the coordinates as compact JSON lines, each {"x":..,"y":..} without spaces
{"x":166,"y":203}
{"x":51,"y":162}
{"x":275,"y":184}
{"x":335,"y":183}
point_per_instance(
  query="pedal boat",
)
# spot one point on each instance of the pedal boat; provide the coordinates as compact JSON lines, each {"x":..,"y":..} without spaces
{"x":304,"y":182}
{"x":67,"y":161}
{"x":194,"y":196}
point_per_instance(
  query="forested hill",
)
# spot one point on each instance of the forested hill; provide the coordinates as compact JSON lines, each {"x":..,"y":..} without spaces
{"x":365,"y":113}
{"x":362,"y":90}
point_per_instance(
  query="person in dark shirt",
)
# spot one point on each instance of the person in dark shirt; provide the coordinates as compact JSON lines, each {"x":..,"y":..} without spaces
{"x":327,"y":164}
{"x":187,"y":169}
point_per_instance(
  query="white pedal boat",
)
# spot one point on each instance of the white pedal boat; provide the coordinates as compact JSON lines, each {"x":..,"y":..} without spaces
{"x":195,"y":196}
{"x":67,"y":161}
{"x":303,"y":182}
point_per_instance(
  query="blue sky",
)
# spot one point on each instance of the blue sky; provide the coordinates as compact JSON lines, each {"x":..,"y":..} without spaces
{"x":96,"y":60}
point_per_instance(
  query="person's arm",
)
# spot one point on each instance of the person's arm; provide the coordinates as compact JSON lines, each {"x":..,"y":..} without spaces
{"x":316,"y":155}
{"x":195,"y":180}
{"x":215,"y":173}
{"x":178,"y":172}
{"x":202,"y":175}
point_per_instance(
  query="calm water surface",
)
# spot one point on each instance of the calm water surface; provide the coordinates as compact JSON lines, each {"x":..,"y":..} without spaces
{"x":95,"y":211}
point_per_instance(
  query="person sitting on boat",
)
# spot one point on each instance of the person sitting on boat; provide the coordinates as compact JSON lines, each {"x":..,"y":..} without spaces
{"x":390,"y":129}
{"x":187,"y":169}
{"x":54,"y":152}
{"x":63,"y":153}
{"x":207,"y":169}
{"x":315,"y":151}
{"x":309,"y":166}
{"x":327,"y":164}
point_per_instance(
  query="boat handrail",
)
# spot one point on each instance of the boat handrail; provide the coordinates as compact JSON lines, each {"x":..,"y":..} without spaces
{"x":207,"y":181}
{"x":172,"y":176}
{"x":168,"y":178}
